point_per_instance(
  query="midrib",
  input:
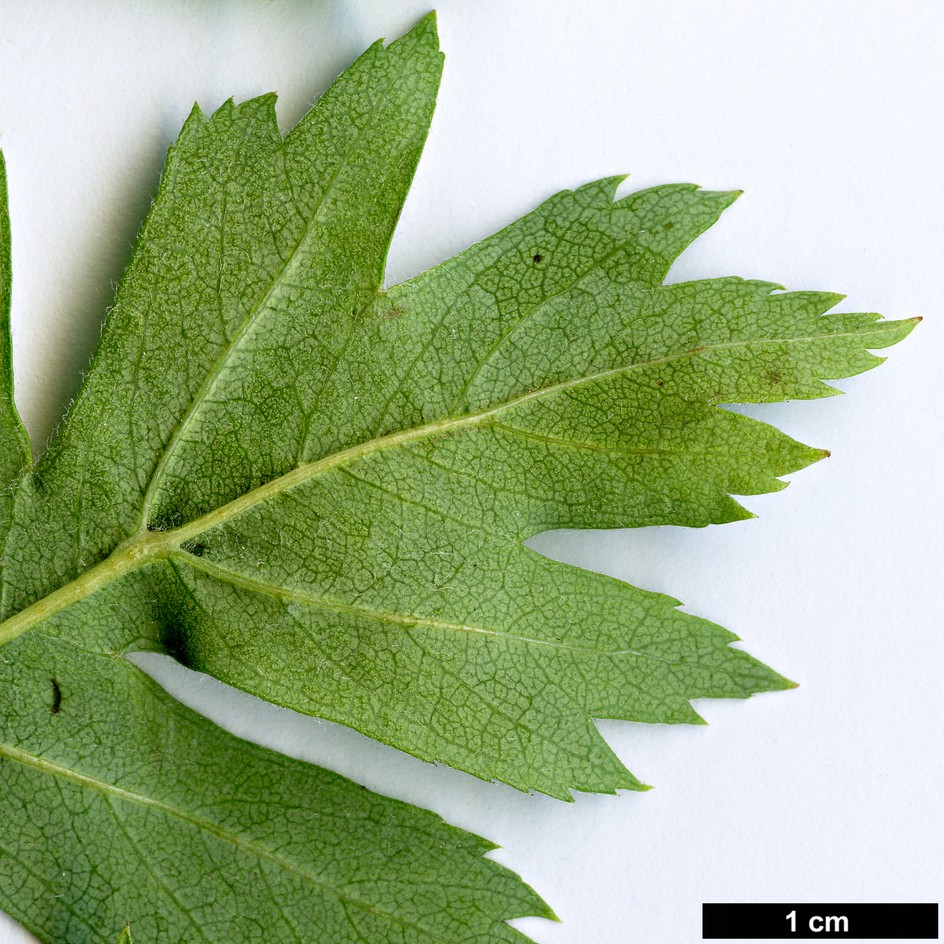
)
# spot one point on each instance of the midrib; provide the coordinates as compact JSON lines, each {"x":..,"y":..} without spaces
{"x":145,"y":547}
{"x":110,"y":790}
{"x":249,"y":320}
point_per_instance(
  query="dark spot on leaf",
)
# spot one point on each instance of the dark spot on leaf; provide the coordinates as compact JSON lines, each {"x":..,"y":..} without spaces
{"x":774,"y":376}
{"x":197,"y":549}
{"x":56,"y":697}
{"x":177,"y":642}
{"x":660,"y":383}
{"x":668,"y":224}
{"x":538,"y":259}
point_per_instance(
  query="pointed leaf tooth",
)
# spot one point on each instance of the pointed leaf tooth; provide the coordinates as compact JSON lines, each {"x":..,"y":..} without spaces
{"x":335,"y":480}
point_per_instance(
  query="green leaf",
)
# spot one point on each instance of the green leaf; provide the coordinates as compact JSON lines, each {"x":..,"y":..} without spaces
{"x":317,"y":489}
{"x":119,"y":804}
{"x":335,"y":480}
{"x":14,"y":443}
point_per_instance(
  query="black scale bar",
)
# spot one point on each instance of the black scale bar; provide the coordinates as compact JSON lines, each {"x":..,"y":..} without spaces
{"x":792,"y":921}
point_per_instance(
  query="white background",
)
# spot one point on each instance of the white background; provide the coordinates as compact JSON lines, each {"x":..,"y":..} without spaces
{"x":829,"y":116}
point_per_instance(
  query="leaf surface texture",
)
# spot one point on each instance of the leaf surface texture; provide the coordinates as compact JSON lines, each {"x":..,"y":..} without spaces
{"x":317,"y":489}
{"x":123,"y":806}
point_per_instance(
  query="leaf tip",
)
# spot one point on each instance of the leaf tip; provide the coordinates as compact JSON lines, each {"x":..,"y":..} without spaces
{"x":891,"y":332}
{"x":630,"y":782}
{"x":720,"y":199}
{"x":775,"y":682}
{"x":427,"y":29}
{"x":196,"y":114}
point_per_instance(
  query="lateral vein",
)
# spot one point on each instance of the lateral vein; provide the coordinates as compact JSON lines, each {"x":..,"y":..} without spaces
{"x":146,"y":546}
{"x":384,"y":616}
{"x":112,"y":792}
